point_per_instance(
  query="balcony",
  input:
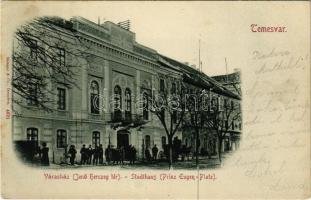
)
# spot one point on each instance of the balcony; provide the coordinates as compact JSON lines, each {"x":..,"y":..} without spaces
{"x":119,"y":116}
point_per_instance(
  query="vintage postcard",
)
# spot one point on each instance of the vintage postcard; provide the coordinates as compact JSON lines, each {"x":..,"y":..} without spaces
{"x":155,"y":100}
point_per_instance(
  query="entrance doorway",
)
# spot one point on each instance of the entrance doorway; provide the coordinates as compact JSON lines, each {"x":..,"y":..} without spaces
{"x":122,"y":139}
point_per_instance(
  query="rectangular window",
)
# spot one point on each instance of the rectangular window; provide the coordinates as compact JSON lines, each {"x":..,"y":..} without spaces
{"x":61,"y":99}
{"x":32,"y":99}
{"x":220,"y":103}
{"x":33,"y":48}
{"x":58,"y":55}
{"x":32,"y":134}
{"x":62,"y":57}
{"x":145,"y":114}
{"x":96,"y":138}
{"x":226,"y":103}
{"x":61,"y":138}
{"x":232,"y":105}
{"x":163,"y":114}
{"x":174,"y":116}
{"x":161,"y":85}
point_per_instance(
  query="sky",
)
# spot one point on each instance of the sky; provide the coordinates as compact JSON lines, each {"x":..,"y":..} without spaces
{"x":175,"y":29}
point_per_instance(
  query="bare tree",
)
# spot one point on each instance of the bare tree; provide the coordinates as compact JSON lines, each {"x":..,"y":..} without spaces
{"x":196,"y":113}
{"x":221,"y":118}
{"x":46,"y":51}
{"x":168,"y":102}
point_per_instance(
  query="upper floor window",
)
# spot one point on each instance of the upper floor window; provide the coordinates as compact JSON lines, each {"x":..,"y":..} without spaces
{"x":62,"y":57}
{"x":226,"y":124}
{"x":61,"y":138}
{"x":33,"y":49}
{"x":32,"y":98}
{"x":174,"y":116}
{"x":128,"y":99}
{"x":61,"y":99}
{"x":117,"y":98}
{"x":226,"y":103}
{"x":145,"y":106}
{"x":32,"y":134}
{"x":128,"y":102}
{"x":162,"y":113}
{"x":173,"y":90}
{"x":232,"y":105}
{"x":96,"y":138}
{"x":220,"y":103}
{"x":162,"y":86}
{"x":94,"y":97}
{"x":58,"y":55}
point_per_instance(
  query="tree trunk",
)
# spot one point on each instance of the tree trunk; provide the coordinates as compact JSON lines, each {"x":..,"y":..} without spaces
{"x":219,"y":148}
{"x":170,"y":159}
{"x":197,"y":148}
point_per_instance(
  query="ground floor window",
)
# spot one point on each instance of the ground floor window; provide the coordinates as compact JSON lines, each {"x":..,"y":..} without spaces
{"x":32,"y":134}
{"x":61,"y":138}
{"x":96,"y":138}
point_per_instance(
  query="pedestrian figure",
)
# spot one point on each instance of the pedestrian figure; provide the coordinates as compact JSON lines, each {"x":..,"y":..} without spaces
{"x":83,"y":153}
{"x":108,"y":154}
{"x":183,"y":152}
{"x":72,"y":152}
{"x":101,"y":154}
{"x":95,"y":155}
{"x":147,"y":155}
{"x":133,"y":154}
{"x":155,"y":152}
{"x":115,"y":156}
{"x":89,"y":155}
{"x":122,"y":154}
{"x":44,"y":155}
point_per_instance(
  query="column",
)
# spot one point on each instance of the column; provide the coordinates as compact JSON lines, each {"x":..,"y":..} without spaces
{"x":106,"y":94}
{"x":137,"y":99}
{"x":84,"y":92}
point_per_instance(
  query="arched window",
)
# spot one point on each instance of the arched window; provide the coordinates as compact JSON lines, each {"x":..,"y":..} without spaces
{"x":61,"y":138}
{"x":147,"y":141}
{"x":96,"y":138}
{"x":145,"y":106}
{"x":186,"y":142}
{"x":117,"y":102}
{"x":94,"y":97}
{"x":128,"y":102}
{"x":32,"y":134}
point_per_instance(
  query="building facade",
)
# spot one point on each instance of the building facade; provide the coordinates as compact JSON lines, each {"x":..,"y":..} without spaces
{"x":112,"y":73}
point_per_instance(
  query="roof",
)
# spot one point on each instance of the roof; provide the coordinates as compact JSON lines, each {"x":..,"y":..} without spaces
{"x":198,"y":78}
{"x":233,"y":77}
